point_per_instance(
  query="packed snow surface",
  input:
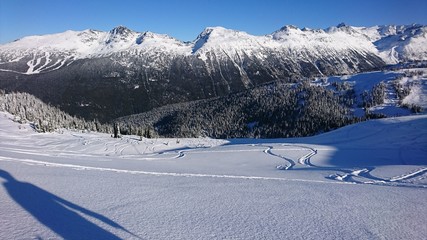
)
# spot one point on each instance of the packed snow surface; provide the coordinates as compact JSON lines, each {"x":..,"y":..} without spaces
{"x":364,"y":181}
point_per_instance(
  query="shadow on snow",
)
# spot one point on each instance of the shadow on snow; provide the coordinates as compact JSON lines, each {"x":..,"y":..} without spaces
{"x":59,"y":215}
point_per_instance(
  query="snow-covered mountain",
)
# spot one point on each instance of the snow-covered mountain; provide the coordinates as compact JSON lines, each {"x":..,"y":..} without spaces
{"x":399,"y":43}
{"x":155,"y":69}
{"x":335,"y":50}
{"x":342,"y":44}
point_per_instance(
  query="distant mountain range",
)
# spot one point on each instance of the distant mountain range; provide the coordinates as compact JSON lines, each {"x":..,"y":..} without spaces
{"x":105,"y":75}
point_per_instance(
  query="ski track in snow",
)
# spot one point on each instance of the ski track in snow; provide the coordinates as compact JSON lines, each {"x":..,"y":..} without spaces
{"x":172,"y":174}
{"x":63,"y":149}
{"x":347,"y":176}
{"x":364,"y":176}
{"x":290,"y":164}
{"x":305,"y":160}
{"x":409,"y":175}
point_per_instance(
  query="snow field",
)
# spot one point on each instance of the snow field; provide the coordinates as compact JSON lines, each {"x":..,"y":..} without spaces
{"x":364,"y":181}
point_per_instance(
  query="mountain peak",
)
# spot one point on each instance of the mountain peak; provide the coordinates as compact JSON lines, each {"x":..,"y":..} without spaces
{"x":342,"y":25}
{"x":285,"y":31}
{"x":119,"y":33}
{"x":202,"y":38}
{"x":120,"y":30}
{"x":150,"y":35}
{"x":288,"y":28}
{"x":212,"y":30}
{"x":217,"y":35}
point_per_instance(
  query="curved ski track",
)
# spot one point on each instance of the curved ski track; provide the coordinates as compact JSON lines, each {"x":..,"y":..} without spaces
{"x":118,"y":149}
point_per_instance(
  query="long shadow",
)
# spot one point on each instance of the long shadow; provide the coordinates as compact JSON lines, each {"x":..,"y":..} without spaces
{"x":58,"y":214}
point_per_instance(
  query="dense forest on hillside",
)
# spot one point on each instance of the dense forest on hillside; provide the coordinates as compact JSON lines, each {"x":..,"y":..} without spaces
{"x":44,"y":117}
{"x":278,"y":109}
{"x":274,"y":110}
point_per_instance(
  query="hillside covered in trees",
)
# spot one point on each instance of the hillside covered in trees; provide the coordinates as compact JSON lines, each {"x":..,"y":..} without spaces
{"x":273,"y":110}
{"x":282,"y":109}
{"x":44,"y":117}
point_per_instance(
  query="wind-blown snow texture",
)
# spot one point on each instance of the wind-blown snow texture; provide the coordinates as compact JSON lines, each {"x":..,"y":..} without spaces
{"x":364,"y":181}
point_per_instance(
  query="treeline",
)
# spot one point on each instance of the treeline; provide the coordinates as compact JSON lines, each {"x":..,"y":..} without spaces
{"x":44,"y":117}
{"x":274,"y":110}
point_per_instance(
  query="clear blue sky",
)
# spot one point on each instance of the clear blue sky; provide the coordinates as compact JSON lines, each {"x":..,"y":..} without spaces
{"x":185,"y":19}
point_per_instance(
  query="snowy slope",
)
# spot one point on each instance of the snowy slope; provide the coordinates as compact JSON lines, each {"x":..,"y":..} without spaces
{"x":50,"y":52}
{"x":414,"y":79}
{"x":418,"y":94}
{"x":392,"y":43}
{"x":399,"y":43}
{"x":88,"y":43}
{"x":364,"y":181}
{"x":402,"y":43}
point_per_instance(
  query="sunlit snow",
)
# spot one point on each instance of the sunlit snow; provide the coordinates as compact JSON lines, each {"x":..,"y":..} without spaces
{"x":362,"y":181}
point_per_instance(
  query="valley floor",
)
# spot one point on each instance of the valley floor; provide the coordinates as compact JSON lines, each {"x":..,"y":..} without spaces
{"x":364,"y":181}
